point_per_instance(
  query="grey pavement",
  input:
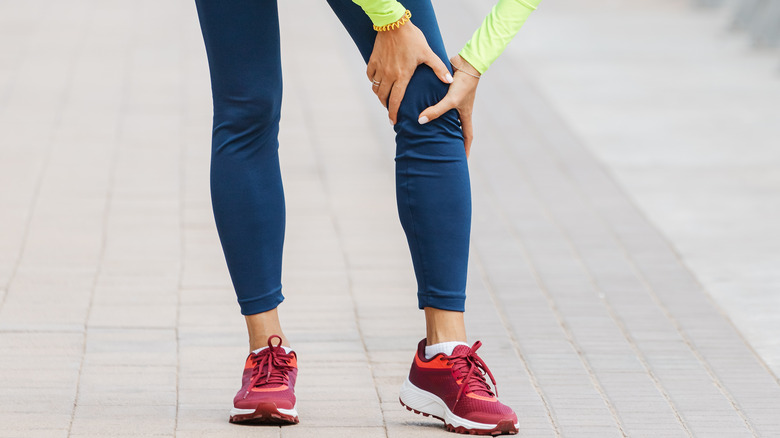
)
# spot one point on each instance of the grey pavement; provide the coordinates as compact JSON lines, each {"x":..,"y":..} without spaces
{"x":116,"y":313}
{"x":687,"y":122}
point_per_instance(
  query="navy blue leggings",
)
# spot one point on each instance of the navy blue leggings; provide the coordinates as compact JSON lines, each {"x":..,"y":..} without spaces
{"x":432,"y":179}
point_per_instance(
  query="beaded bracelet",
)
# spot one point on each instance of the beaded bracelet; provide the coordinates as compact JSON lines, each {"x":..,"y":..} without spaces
{"x":395,"y":25}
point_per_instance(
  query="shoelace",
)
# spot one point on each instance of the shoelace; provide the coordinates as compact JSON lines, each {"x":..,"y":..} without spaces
{"x":274,"y":361}
{"x":472,"y":370}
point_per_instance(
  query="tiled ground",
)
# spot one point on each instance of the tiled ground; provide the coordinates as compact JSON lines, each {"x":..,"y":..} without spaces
{"x":116,"y":313}
{"x":687,"y":121}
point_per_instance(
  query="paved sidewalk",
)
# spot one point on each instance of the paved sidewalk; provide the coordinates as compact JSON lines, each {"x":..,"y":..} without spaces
{"x":684,"y":112}
{"x":116,"y":312}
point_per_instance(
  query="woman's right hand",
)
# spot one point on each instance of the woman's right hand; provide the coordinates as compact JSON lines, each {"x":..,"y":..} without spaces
{"x":460,"y":96}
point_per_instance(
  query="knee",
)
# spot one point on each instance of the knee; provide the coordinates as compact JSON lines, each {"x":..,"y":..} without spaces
{"x":424,"y":90}
{"x":242,"y":120}
{"x":438,"y":141}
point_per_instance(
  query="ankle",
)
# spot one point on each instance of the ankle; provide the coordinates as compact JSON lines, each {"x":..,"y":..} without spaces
{"x":445,"y":348}
{"x":440,"y":338}
{"x":444,"y":326}
{"x":260,"y":340}
{"x":262,"y":326}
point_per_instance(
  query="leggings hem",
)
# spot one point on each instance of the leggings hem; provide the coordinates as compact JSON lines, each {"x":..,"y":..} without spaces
{"x":262,"y":303}
{"x":454,"y":304}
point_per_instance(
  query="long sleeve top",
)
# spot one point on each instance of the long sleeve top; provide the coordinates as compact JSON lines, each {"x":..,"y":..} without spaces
{"x":489,"y":40}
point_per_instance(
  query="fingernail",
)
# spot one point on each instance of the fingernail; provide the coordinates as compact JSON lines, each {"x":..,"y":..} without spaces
{"x":448,"y":78}
{"x":391,"y":122}
{"x":422,"y":120}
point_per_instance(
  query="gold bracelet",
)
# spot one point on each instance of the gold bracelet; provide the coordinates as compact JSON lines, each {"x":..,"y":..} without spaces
{"x":395,"y":25}
{"x":465,"y":72}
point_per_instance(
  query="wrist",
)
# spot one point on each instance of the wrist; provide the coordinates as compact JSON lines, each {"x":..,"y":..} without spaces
{"x":459,"y":63}
{"x":395,"y":25}
{"x":382,"y":12}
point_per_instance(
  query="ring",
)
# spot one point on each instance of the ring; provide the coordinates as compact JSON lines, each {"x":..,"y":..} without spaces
{"x":376,"y":83}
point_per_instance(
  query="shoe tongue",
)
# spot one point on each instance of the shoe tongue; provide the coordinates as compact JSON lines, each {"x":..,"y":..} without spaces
{"x":475,"y":384}
{"x":287,"y":350}
{"x":461,"y":349}
{"x":263,"y":371}
{"x":265,"y":383}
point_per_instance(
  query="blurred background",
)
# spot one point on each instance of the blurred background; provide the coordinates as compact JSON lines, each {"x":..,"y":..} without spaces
{"x":680,"y":100}
{"x":626,"y":248}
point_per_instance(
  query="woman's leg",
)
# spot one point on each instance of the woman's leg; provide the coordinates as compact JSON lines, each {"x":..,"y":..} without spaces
{"x":242,"y":44}
{"x":432,"y":178}
{"x":446,"y":378}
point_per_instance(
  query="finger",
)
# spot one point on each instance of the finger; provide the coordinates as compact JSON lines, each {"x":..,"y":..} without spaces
{"x":435,"y":111}
{"x":371,"y":70}
{"x":396,"y":96}
{"x":438,"y":67}
{"x":468,"y":131}
{"x":375,"y":85}
{"x":383,"y":92}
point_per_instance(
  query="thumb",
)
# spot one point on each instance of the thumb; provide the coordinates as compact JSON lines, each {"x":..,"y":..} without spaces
{"x":435,"y":63}
{"x":435,"y":111}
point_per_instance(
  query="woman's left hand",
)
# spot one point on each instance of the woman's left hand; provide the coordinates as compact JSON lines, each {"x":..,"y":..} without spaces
{"x":460,"y":96}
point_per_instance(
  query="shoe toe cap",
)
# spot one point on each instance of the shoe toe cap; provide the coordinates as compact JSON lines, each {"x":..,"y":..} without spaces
{"x":282,"y":401}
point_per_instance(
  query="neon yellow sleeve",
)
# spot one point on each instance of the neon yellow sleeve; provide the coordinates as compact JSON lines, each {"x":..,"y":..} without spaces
{"x":382,"y":12}
{"x":498,"y":29}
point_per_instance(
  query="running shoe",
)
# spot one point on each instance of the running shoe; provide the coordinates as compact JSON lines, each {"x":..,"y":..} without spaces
{"x":454,"y":389}
{"x":267,"y":394}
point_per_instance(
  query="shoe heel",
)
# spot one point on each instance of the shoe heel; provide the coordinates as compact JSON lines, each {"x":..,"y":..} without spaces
{"x":421,"y":402}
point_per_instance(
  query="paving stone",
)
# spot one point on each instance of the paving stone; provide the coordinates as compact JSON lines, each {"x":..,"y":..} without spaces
{"x":302,"y":431}
{"x":20,"y":422}
{"x":234,"y":431}
{"x":118,"y":420}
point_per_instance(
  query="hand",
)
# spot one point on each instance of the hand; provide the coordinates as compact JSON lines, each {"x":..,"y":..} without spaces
{"x":396,"y":55}
{"x":460,"y":96}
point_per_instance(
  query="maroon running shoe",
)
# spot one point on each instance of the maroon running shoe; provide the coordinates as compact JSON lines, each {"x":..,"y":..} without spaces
{"x":453,"y":389}
{"x":267,"y":394}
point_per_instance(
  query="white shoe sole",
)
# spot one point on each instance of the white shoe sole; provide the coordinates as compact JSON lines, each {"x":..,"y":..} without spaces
{"x":292,"y":412}
{"x":429,"y":404}
{"x":265,"y":413}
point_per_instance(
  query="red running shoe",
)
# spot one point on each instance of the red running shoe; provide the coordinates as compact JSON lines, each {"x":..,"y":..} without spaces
{"x":267,"y":394}
{"x":454,"y":390}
